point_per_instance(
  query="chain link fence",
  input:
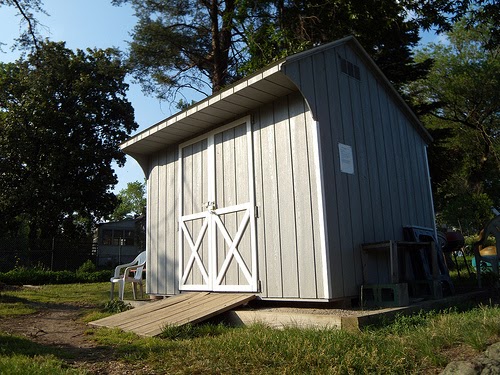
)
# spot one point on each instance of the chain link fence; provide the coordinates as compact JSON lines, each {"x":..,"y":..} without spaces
{"x":56,"y":254}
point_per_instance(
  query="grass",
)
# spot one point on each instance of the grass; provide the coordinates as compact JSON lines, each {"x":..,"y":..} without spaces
{"x":410,"y":345}
{"x":21,"y":356}
{"x":417,"y":344}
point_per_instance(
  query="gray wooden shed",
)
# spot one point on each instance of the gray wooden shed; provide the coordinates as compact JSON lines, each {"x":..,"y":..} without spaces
{"x":271,"y":185}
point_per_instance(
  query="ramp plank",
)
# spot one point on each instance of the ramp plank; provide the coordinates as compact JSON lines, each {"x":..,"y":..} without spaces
{"x":151,"y":319}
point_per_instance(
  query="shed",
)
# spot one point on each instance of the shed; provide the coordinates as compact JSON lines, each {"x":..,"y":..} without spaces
{"x":272,"y":185}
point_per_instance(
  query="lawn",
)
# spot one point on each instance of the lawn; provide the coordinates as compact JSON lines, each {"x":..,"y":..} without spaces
{"x":419,"y":344}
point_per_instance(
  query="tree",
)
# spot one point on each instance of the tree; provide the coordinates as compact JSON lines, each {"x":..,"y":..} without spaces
{"x":183,"y":44}
{"x":26,"y":8}
{"x":132,"y":201}
{"x":199,"y":44}
{"x":461,"y":92}
{"x":62,"y":116}
{"x":384,"y":28}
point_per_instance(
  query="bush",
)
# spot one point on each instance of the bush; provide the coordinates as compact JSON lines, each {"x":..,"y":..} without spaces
{"x":87,"y":267}
{"x":40,"y":276}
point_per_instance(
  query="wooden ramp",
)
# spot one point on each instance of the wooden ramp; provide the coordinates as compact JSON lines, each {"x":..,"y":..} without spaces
{"x":150,"y":319}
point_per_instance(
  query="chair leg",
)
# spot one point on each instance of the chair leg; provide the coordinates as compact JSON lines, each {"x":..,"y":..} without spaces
{"x":112,"y":295}
{"x":121,"y":291}
{"x":133,"y":290}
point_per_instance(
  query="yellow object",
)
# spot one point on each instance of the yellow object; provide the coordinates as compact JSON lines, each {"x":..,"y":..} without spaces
{"x":488,"y":251}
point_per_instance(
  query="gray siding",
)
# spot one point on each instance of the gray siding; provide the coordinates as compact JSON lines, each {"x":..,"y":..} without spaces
{"x":389,"y":187}
{"x":289,"y":249}
{"x":161,"y":234}
{"x":288,"y":226}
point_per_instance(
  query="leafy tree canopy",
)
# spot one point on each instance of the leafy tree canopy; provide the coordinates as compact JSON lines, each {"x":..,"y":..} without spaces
{"x":201,"y":44}
{"x":62,"y":116}
{"x":462,"y":102}
{"x":132,"y":201}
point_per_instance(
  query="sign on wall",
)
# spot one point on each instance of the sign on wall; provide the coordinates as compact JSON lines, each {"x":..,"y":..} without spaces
{"x":346,"y":159}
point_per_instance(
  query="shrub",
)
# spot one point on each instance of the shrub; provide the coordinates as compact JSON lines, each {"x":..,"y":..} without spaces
{"x":86,"y":267}
{"x":41,"y":276}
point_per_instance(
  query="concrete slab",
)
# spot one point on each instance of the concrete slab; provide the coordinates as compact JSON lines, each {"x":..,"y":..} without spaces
{"x":349,"y":319}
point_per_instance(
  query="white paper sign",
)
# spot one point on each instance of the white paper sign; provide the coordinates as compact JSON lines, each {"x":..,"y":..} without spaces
{"x":346,"y":159}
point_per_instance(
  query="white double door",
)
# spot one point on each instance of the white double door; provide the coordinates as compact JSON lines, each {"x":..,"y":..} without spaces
{"x":217,"y":213}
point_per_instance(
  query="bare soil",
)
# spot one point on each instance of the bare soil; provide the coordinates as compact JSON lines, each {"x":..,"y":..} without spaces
{"x":60,"y":328}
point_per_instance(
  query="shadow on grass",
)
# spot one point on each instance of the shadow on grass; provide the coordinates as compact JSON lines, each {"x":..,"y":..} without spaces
{"x":14,"y":345}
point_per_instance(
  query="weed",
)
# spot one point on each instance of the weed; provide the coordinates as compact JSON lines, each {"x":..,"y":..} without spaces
{"x":116,"y":306}
{"x":191,"y":331}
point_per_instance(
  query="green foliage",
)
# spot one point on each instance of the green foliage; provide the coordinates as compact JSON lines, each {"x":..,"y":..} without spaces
{"x":87,"y":267}
{"x":384,"y":28}
{"x":183,"y":44}
{"x":63,"y":115}
{"x":461,"y":92}
{"x":197,"y":44}
{"x":132,"y":201}
{"x":41,"y":276}
{"x":116,"y":306}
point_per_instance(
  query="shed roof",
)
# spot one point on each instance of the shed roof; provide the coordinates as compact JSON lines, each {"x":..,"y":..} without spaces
{"x":249,"y":93}
{"x":237,"y":99}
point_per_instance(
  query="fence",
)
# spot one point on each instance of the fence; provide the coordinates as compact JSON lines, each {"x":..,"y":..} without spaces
{"x":56,"y":254}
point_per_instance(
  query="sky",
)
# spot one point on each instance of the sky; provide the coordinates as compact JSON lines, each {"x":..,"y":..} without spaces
{"x":94,"y":24}
{"x":91,"y":24}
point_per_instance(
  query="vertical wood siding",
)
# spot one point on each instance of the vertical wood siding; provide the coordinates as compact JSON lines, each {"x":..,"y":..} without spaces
{"x":161,"y":234}
{"x":389,"y":188}
{"x":288,"y":234}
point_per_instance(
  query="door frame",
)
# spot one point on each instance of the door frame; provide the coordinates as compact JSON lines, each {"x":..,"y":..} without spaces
{"x":212,"y":277}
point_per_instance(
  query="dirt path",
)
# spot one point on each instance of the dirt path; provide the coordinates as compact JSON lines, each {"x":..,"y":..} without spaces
{"x":59,"y":327}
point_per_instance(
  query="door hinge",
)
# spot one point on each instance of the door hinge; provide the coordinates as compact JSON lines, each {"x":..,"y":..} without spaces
{"x":256,"y":211}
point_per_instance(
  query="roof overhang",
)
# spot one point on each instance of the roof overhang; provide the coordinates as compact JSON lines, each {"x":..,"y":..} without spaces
{"x":224,"y":106}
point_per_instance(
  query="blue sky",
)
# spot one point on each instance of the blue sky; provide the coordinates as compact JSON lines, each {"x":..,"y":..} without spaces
{"x":95,"y":24}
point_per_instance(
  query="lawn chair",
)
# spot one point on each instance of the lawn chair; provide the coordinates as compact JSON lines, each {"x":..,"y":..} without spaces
{"x":487,"y":256}
{"x":132,"y":273}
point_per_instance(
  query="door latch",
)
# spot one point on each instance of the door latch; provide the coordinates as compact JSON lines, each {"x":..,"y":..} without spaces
{"x":210,"y":205}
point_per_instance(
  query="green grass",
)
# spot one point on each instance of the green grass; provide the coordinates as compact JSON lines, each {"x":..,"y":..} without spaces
{"x":410,"y":345}
{"x":21,"y":356}
{"x":416,"y":344}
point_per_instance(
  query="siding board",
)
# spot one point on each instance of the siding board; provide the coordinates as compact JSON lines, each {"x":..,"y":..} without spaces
{"x":303,"y":197}
{"x":153,"y":223}
{"x":171,"y":217}
{"x":342,"y":259}
{"x":162,"y":207}
{"x":270,"y":209}
{"x":286,"y":207}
